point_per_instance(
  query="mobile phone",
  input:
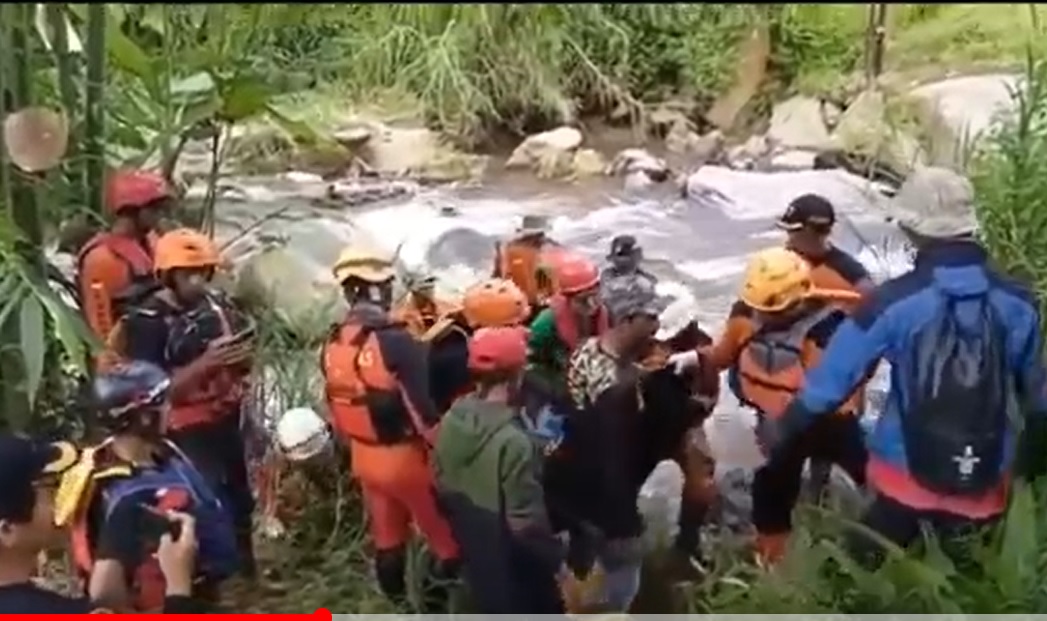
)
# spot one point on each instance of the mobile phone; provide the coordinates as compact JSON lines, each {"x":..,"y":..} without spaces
{"x":156,"y":524}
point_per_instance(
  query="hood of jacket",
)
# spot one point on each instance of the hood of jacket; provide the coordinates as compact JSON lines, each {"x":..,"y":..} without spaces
{"x":468,"y":428}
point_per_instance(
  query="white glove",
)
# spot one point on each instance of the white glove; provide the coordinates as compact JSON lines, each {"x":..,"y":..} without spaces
{"x":684,"y":360}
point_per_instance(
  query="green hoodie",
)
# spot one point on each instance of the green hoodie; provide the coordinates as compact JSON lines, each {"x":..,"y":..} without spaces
{"x":547,"y":356}
{"x":483,"y":453}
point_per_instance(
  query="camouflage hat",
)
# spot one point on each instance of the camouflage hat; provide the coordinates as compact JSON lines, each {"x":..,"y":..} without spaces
{"x":935,"y":202}
{"x":631,"y":294}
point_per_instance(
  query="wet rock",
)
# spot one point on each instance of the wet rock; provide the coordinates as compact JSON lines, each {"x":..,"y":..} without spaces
{"x":353,"y":137}
{"x":750,"y":154}
{"x":866,"y":130}
{"x":420,"y":153}
{"x":955,"y":112}
{"x":541,"y":149}
{"x":709,"y":147}
{"x":554,"y":164}
{"x":588,"y":163}
{"x":634,"y":161}
{"x":797,"y":124}
{"x":831,"y":113}
{"x":793,"y":159}
{"x":358,"y":192}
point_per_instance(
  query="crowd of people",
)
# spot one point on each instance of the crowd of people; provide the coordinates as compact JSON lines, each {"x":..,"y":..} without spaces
{"x":513,"y":428}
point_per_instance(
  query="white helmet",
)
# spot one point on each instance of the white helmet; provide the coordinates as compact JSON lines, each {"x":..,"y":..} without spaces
{"x":302,"y":434}
{"x":679,"y":313}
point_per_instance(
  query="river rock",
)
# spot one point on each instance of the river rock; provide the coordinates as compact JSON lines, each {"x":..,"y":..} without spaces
{"x":539,"y":150}
{"x":797,"y":123}
{"x":588,"y":163}
{"x":418,"y":152}
{"x":956,"y":111}
{"x":866,"y":130}
{"x":636,"y":161}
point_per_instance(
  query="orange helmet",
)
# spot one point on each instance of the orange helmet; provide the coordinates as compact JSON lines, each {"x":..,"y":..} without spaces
{"x":498,"y":349}
{"x":493,"y":303}
{"x":575,"y":274}
{"x":185,"y":248}
{"x":775,"y":279}
{"x":134,"y":189}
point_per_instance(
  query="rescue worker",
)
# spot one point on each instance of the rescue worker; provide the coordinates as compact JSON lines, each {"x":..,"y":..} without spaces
{"x":809,"y":221}
{"x":488,"y":479}
{"x":111,"y":497}
{"x":420,"y":309}
{"x":574,"y":314}
{"x":624,"y":259}
{"x":205,"y":343}
{"x":30,"y":472}
{"x":602,"y":376}
{"x":964,"y":345}
{"x":377,"y":387}
{"x":520,"y":259}
{"x":777,"y":331}
{"x":116,"y":266}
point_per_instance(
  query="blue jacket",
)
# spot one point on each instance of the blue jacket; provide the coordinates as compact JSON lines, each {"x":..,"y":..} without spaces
{"x":884,"y":325}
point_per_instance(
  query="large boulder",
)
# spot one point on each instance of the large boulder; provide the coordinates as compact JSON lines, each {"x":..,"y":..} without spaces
{"x":549,"y":153}
{"x":955,"y":112}
{"x":417,"y":152}
{"x":866,"y":129}
{"x":797,"y":123}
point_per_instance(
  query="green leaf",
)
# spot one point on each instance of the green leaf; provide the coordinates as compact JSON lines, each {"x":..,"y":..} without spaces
{"x":125,"y":53}
{"x":197,"y":84}
{"x":33,"y":343}
{"x":244,"y":97}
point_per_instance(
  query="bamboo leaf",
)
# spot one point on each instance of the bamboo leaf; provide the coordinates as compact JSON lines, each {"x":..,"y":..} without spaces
{"x":33,"y":343}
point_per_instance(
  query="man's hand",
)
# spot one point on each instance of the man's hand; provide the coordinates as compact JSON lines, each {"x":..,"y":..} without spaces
{"x":683,"y":361}
{"x":227,"y":351}
{"x":177,"y":557}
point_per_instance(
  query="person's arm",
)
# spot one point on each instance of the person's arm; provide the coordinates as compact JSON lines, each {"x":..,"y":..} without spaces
{"x":855,"y":347}
{"x":408,"y":361}
{"x":118,"y":551}
{"x":525,"y":503}
{"x":722,"y":354}
{"x":614,"y":408}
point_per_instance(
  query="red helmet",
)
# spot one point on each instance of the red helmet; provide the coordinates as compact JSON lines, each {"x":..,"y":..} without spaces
{"x":575,"y":273}
{"x":134,"y":189}
{"x":498,"y":349}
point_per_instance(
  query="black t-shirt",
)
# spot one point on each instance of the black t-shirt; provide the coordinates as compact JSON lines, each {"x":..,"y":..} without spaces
{"x":146,"y":332}
{"x":28,"y":599}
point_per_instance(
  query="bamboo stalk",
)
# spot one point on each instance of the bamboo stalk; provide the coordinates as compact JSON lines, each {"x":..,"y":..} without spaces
{"x":94,"y":121}
{"x":67,"y":79}
{"x":24,"y":209}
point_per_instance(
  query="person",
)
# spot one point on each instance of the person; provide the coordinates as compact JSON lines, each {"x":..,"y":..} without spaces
{"x":120,"y":484}
{"x":377,"y":390}
{"x":116,"y":266}
{"x":624,"y":259}
{"x":30,"y":474}
{"x":489,"y":483}
{"x":779,"y":328}
{"x":205,"y":343}
{"x":574,"y":314}
{"x":809,"y":222}
{"x":964,"y":345}
{"x":420,"y":309}
{"x":605,"y":422}
{"x":520,"y":259}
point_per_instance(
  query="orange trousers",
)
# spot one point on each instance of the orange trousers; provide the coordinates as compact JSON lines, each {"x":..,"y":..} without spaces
{"x":398,"y":492}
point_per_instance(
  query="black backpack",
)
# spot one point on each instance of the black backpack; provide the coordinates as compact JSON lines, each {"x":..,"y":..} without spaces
{"x":959,"y":393}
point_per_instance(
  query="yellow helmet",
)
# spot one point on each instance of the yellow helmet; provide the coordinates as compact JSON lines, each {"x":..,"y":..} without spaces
{"x":775,"y":279}
{"x":365,"y":263}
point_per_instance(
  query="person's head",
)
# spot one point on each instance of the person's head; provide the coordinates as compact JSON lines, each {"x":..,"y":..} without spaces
{"x":777,"y":285}
{"x":495,"y":303}
{"x":138,"y":197}
{"x":497,"y":357}
{"x":532,"y":230}
{"x":935,"y":205}
{"x":808,"y":221}
{"x":130,"y":400}
{"x":578,"y":279}
{"x":422,"y":287}
{"x":185,"y":262}
{"x":625,"y":254}
{"x":366,"y":276}
{"x":634,"y":308}
{"x":29,"y":478}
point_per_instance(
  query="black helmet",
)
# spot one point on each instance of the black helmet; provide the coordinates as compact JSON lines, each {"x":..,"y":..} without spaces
{"x":130,"y":388}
